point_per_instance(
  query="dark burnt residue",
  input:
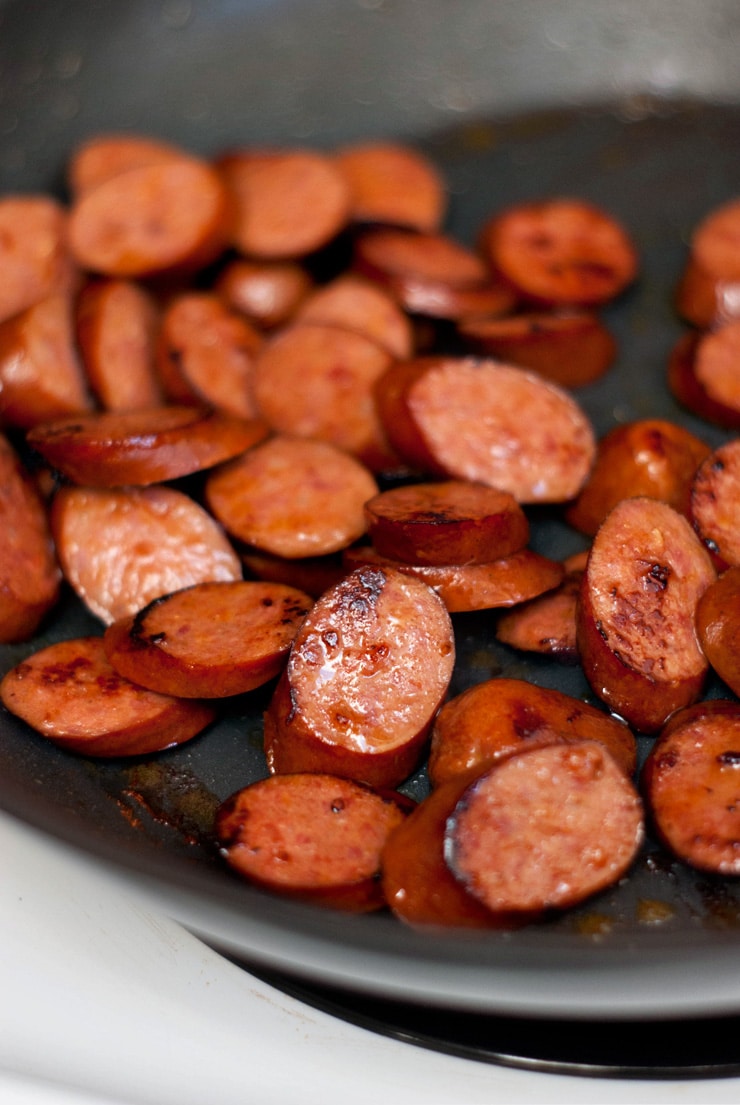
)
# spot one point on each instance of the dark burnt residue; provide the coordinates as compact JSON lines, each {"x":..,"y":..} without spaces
{"x":361,"y":591}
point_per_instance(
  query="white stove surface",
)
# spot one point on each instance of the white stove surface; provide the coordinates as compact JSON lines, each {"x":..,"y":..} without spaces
{"x":103,"y":1000}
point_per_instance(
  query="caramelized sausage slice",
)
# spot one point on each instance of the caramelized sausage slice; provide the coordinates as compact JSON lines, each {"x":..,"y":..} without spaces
{"x":292,"y":497}
{"x":103,"y":156}
{"x":501,"y":716}
{"x":646,"y":571}
{"x":545,"y":624}
{"x":545,"y":829}
{"x":715,"y":502}
{"x":703,"y":374}
{"x":692,"y":787}
{"x":367,"y":671}
{"x":34,"y":259}
{"x":312,"y":574}
{"x":718,"y":626}
{"x":109,"y":449}
{"x":393,"y":183}
{"x":315,"y":837}
{"x":708,"y":293}
{"x":267,"y":293}
{"x":210,"y":640}
{"x":120,"y":548}
{"x":29,"y":573}
{"x":560,"y":252}
{"x":461,"y":418}
{"x":454,"y":522}
{"x":69,"y":693}
{"x":357,"y":304}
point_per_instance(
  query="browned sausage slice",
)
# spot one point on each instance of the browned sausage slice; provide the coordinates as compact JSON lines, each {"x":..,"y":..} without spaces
{"x":151,"y":221}
{"x":358,"y":304}
{"x":367,"y":671}
{"x":111,"y":448}
{"x":646,"y":571}
{"x":718,"y":626}
{"x":70,"y":694}
{"x":501,"y":716}
{"x":461,"y":418}
{"x":703,"y":374}
{"x":560,"y":251}
{"x":454,"y":522}
{"x":41,"y":376}
{"x":393,"y":183}
{"x":267,"y":293}
{"x":292,"y":497}
{"x":505,"y":582}
{"x":210,"y":640}
{"x":545,"y":829}
{"x":117,"y":321}
{"x":573,"y":348}
{"x":708,"y":292}
{"x":715,"y":502}
{"x":692,"y":787}
{"x":289,"y":203}
{"x":312,"y":574}
{"x":103,"y":156}
{"x":651,"y":457}
{"x":205,"y":354}
{"x":120,"y":548}
{"x":29,"y":573}
{"x":310,"y":836}
{"x":34,"y":259}
{"x":545,"y":624}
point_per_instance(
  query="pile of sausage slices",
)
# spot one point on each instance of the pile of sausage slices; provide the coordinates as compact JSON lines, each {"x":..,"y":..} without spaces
{"x":273,"y":426}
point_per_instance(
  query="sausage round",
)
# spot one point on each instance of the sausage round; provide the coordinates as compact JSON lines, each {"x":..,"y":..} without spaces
{"x":394,"y":184}
{"x":34,"y":259}
{"x":715,"y":501}
{"x":718,"y":626}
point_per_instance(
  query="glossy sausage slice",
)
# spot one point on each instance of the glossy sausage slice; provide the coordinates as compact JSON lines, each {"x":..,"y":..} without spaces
{"x":358,"y":304}
{"x":501,"y":716}
{"x":646,"y":572}
{"x":505,"y":582}
{"x":29,"y":573}
{"x":109,"y":448}
{"x":120,"y":548}
{"x":545,"y":829}
{"x":34,"y":259}
{"x":393,"y":183}
{"x":210,"y":640}
{"x":545,"y":624}
{"x":292,"y":497}
{"x":708,"y":293}
{"x":205,"y":354}
{"x":560,"y":252}
{"x":718,"y":626}
{"x":315,"y":837}
{"x":715,"y":503}
{"x":461,"y":418}
{"x":312,"y":574}
{"x":41,"y":376}
{"x":71,"y":695}
{"x":692,"y":787}
{"x":651,"y":457}
{"x":703,"y":374}
{"x":367,"y":671}
{"x":116,"y":324}
{"x":289,"y":203}
{"x":453,"y":522}
{"x":267,"y":293}
{"x":152,"y":221}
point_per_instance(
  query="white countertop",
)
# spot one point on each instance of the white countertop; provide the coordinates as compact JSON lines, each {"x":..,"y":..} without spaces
{"x":104,"y":1000}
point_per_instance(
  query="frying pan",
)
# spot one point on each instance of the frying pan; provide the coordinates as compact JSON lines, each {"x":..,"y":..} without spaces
{"x":632,"y":104}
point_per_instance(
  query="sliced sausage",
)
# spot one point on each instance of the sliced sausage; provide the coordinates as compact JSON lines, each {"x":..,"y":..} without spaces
{"x":501,"y":716}
{"x":358,"y":304}
{"x":708,"y":292}
{"x":292,"y":497}
{"x":431,"y":275}
{"x":110,"y":448}
{"x":461,"y":418}
{"x":718,"y":626}
{"x":268,"y":293}
{"x":69,"y":693}
{"x":116,"y":325}
{"x":103,"y":156}
{"x":650,"y":457}
{"x":703,"y":300}
{"x":206,"y":353}
{"x":545,"y":829}
{"x":691,"y":785}
{"x":453,"y":522}
{"x":120,"y":548}
{"x":560,"y":252}
{"x":464,"y":587}
{"x":573,"y":348}
{"x":703,"y":374}
{"x":715,"y":503}
{"x":545,"y":624}
{"x":289,"y":203}
{"x":41,"y":376}
{"x":29,"y":573}
{"x":418,"y":885}
{"x":367,"y":671}
{"x":315,"y":837}
{"x":34,"y":258}
{"x":393,"y":183}
{"x":316,"y":380}
{"x":639,"y":651}
{"x":312,"y":574}
{"x":152,"y":221}
{"x":210,"y":640}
